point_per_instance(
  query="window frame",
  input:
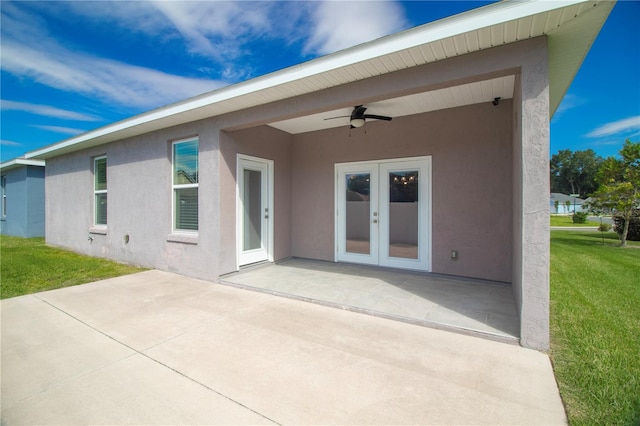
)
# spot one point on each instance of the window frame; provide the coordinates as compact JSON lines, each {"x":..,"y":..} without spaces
{"x":96,"y":192}
{"x":3,"y":185}
{"x":175,"y":187}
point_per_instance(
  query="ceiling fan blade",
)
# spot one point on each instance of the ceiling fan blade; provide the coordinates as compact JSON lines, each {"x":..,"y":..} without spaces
{"x":378,"y":117}
{"x":358,"y":112}
{"x":358,"y":116}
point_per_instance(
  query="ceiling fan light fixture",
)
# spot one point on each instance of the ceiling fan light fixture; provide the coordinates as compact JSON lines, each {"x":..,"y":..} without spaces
{"x":357,"y":122}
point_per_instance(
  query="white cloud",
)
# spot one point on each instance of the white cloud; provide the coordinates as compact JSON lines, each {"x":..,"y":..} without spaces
{"x":60,"y":129}
{"x":225,"y":30}
{"x":215,"y":29}
{"x":9,"y":143}
{"x":28,"y":51}
{"x":45,"y":110}
{"x":616,"y":127}
{"x":338,"y":25}
{"x":221,"y":31}
{"x":125,"y":84}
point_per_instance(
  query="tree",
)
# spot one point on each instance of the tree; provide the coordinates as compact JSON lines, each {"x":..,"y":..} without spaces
{"x":575,"y":172}
{"x":619,"y":190}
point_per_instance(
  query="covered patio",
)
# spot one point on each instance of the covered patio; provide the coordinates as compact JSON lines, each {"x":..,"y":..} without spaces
{"x":465,"y":305}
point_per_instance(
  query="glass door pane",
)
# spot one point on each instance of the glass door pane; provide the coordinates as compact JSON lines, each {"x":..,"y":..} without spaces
{"x":358,"y":208}
{"x":403,"y":214}
{"x":254,"y":210}
{"x":252,"y":202}
{"x":357,"y":213}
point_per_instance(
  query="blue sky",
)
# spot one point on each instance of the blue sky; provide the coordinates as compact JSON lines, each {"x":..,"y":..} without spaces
{"x":69,"y":67}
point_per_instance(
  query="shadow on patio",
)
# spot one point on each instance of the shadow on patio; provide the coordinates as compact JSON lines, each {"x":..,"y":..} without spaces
{"x":464,"y":305}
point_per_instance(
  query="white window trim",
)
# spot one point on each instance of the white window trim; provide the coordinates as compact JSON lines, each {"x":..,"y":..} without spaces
{"x":99,"y":226}
{"x":177,"y":234}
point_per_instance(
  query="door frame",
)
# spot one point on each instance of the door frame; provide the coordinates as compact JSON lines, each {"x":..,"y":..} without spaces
{"x":241,"y":160}
{"x":425,"y":237}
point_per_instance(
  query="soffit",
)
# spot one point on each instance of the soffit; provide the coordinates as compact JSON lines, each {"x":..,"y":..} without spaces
{"x":497,"y":24}
{"x":449,"y":97}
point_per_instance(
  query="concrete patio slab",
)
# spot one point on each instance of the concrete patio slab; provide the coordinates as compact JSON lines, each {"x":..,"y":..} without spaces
{"x":153,"y":308}
{"x":220,"y":354}
{"x":467,"y":305}
{"x":134,"y":390}
{"x":49,"y":347}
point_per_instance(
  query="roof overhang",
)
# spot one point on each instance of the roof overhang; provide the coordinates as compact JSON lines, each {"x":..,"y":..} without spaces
{"x":20,"y":162}
{"x":571,"y":26}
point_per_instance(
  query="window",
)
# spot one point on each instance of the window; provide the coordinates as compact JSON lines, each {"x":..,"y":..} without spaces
{"x":185,"y":185}
{"x":3,"y":180}
{"x":100,"y":190}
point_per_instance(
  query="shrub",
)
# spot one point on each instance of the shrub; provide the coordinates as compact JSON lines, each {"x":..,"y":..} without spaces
{"x":579,"y":217}
{"x":634,"y":225}
{"x":604,"y":227}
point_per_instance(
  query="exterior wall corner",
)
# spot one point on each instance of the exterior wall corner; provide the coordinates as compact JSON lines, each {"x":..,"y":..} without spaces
{"x":532,"y":275}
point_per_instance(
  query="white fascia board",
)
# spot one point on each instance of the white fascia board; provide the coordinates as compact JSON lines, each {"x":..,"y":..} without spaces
{"x":490,"y":15}
{"x":17,"y":162}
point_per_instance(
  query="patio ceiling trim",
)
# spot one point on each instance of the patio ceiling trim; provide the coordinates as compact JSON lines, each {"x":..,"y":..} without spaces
{"x":493,"y":25}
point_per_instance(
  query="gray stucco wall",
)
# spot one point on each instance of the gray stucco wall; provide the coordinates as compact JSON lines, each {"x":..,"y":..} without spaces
{"x":25,"y":202}
{"x":139,"y":203}
{"x":533,"y":276}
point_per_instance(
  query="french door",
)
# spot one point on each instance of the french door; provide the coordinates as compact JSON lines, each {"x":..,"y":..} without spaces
{"x":383,"y":213}
{"x":254,"y":210}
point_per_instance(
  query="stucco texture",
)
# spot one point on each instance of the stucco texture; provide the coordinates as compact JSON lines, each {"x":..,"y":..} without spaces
{"x":139,"y":192}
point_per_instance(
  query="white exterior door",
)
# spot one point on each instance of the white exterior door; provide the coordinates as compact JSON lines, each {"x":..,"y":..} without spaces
{"x":357,"y":213}
{"x":254,"y":210}
{"x":383,"y":213}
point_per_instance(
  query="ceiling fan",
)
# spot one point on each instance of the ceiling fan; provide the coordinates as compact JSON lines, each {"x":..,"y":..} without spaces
{"x":358,"y":117}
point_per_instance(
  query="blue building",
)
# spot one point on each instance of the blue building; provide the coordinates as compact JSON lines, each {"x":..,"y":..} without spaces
{"x":22,"y":208}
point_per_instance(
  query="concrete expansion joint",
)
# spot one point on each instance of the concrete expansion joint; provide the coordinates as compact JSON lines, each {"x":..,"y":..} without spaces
{"x":141,"y":353}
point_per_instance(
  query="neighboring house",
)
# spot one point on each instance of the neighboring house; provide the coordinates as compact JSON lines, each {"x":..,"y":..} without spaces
{"x":257,"y":172}
{"x":575,"y":203}
{"x":22,"y":208}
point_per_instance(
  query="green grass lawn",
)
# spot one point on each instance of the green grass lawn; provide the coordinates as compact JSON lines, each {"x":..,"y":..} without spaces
{"x":561,"y":220}
{"x":595,"y":327}
{"x":27,"y":266}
